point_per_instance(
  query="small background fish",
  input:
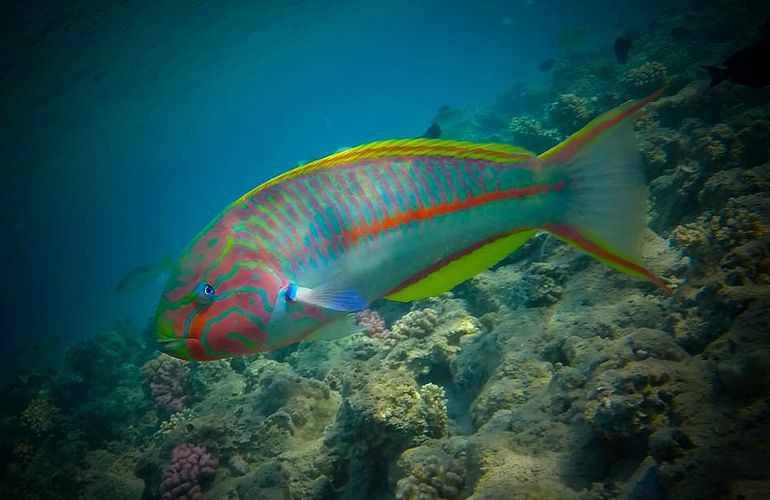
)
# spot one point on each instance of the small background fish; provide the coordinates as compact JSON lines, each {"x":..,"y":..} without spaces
{"x":143,"y":275}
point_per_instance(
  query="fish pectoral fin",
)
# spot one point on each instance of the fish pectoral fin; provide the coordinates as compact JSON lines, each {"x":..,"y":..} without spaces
{"x":336,"y":329}
{"x":330,"y":295}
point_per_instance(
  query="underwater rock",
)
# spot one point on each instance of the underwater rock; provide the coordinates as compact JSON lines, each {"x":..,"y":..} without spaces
{"x":516,"y":381}
{"x":648,"y":343}
{"x":427,"y":340}
{"x":113,"y":487}
{"x":625,"y":403}
{"x":390,"y":411}
{"x":498,"y":469}
{"x":646,"y":483}
{"x":717,"y":147}
{"x":727,"y":184}
{"x":541,"y":286}
{"x":662,"y":148}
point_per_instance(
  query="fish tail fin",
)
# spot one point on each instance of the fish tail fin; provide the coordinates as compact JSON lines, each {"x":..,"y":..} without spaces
{"x":604,"y":211}
{"x":717,"y":74}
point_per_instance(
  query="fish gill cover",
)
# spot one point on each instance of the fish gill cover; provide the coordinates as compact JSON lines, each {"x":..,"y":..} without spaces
{"x":548,"y":376}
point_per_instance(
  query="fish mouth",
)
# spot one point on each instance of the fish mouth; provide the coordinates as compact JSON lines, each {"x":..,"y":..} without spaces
{"x":174,"y":347}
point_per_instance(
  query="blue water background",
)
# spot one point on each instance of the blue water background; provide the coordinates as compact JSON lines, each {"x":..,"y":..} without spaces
{"x":127,"y":126}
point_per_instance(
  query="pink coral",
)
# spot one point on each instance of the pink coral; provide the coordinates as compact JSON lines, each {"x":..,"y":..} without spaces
{"x":190,"y":467}
{"x":372,"y":323}
{"x":168,"y":383}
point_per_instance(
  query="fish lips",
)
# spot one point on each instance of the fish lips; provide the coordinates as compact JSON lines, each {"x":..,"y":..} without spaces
{"x":174,"y":347}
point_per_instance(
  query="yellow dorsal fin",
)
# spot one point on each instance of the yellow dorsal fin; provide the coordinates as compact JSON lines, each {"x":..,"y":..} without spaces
{"x":498,"y":153}
{"x":463,"y":268}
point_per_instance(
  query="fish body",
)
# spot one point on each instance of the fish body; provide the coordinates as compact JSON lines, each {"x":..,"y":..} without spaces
{"x":142,"y":276}
{"x":401,"y":220}
{"x":747,"y":67}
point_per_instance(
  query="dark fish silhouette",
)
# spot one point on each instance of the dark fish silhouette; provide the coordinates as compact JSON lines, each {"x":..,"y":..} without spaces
{"x":623,"y":46}
{"x":747,"y":67}
{"x":143,"y":275}
{"x":547,"y":64}
{"x":449,"y":123}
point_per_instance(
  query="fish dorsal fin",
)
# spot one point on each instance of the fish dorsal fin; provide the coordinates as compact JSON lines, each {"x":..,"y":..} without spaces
{"x":492,"y":152}
{"x":456,"y":271}
{"x":499,"y":153}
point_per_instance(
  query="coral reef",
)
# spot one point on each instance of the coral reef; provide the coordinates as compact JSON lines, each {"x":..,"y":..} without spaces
{"x":548,"y":376}
{"x":529,"y":133}
{"x":569,"y":112}
{"x":431,"y":479}
{"x":40,"y":416}
{"x":373,"y":324}
{"x":645,"y":79}
{"x":167,"y":379}
{"x":418,"y":323}
{"x":188,"y":471}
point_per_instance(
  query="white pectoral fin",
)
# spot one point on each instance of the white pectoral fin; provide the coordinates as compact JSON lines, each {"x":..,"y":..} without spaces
{"x":336,"y":329}
{"x":330,"y":295}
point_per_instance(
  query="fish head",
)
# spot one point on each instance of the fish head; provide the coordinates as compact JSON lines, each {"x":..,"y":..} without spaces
{"x":217,"y":301}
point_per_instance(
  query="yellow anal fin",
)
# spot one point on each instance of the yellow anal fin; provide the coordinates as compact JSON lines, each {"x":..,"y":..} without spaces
{"x":456,"y":270}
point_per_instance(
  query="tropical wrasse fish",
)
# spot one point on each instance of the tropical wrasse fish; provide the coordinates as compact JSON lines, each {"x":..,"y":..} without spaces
{"x":402,"y":220}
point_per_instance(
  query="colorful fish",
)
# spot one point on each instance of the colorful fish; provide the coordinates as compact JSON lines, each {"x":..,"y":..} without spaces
{"x":402,"y":220}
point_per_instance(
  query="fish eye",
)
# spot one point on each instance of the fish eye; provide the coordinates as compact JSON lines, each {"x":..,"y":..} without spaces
{"x":205,"y":292}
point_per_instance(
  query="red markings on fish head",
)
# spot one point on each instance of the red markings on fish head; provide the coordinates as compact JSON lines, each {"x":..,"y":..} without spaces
{"x":218,"y":300}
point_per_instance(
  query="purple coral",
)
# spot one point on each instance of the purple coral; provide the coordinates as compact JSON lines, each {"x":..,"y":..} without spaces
{"x":168,"y":383}
{"x":372,"y":323}
{"x":190,"y":466}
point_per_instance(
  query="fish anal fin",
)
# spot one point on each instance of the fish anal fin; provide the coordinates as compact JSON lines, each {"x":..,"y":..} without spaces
{"x":462,"y":268}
